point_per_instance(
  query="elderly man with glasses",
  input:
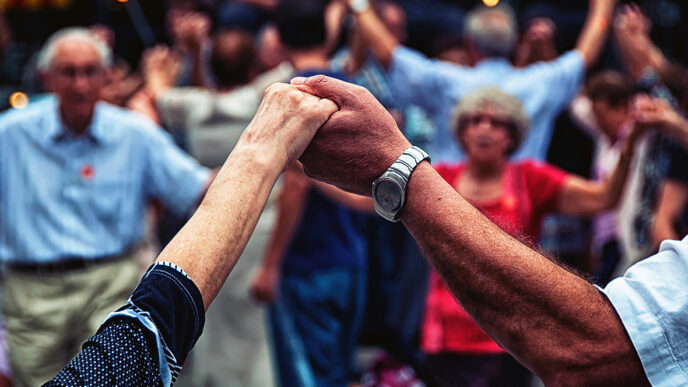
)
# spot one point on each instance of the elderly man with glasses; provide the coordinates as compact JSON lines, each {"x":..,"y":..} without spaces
{"x":75,"y":178}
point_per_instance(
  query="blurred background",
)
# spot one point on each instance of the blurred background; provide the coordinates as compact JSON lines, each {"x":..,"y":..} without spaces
{"x":192,"y":66}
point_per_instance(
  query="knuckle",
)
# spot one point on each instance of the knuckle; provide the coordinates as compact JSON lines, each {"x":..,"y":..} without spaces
{"x":275,"y":89}
{"x":272,"y":89}
{"x":317,"y":80}
{"x":292,"y":96}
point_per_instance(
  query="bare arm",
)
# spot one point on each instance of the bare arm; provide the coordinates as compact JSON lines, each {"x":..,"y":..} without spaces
{"x":632,"y":37}
{"x":594,"y":33}
{"x":551,"y":320}
{"x":381,"y":40}
{"x":657,"y":113}
{"x":673,"y":198}
{"x":587,"y":197}
{"x":291,"y":204}
{"x":211,"y":242}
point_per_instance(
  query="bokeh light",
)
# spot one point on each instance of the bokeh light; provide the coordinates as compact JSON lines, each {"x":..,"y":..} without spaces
{"x":491,"y":3}
{"x":19,"y":100}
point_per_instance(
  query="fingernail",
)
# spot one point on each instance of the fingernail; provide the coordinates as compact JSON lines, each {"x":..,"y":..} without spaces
{"x":298,"y":81}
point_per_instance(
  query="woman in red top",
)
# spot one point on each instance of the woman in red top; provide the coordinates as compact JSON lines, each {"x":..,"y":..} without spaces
{"x":515,"y":195}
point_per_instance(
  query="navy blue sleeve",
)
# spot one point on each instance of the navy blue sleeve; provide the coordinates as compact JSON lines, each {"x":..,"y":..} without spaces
{"x":175,"y":305}
{"x":145,"y":342}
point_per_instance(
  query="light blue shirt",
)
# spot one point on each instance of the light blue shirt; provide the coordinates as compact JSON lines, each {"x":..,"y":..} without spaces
{"x":652,"y":302}
{"x":62,"y":196}
{"x":544,"y":88}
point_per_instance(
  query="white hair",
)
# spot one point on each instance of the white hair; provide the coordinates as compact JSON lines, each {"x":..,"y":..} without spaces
{"x":47,"y":53}
{"x":494,"y":31}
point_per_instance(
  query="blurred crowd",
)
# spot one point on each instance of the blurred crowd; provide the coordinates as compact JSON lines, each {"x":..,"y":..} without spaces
{"x":563,"y":122}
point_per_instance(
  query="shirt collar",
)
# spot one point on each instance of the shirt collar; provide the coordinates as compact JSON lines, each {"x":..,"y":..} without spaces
{"x":56,"y":131}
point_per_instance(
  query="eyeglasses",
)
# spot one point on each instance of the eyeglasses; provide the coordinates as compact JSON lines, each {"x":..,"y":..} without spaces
{"x":477,"y":119}
{"x":69,"y":72}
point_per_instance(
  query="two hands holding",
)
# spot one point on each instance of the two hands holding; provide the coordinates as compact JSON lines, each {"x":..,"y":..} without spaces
{"x":340,"y":133}
{"x":344,"y":137}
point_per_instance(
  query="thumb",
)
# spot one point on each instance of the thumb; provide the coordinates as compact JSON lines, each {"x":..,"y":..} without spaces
{"x":340,"y":92}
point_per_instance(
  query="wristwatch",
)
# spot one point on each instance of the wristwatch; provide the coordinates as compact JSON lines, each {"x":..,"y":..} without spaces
{"x":358,"y":6}
{"x":389,"y":190}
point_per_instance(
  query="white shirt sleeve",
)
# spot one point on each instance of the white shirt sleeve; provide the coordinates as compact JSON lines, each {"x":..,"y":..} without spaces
{"x":652,"y":302}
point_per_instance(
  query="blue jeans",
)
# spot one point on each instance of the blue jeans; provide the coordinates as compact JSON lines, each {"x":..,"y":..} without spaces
{"x":315,"y":324}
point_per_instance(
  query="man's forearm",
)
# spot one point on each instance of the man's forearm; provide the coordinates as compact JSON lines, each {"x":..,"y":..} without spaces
{"x":553,"y":321}
{"x":594,"y":33}
{"x":209,"y":245}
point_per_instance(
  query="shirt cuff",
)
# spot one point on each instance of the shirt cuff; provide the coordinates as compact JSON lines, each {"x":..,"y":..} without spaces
{"x":646,"y":334}
{"x":169,"y":305}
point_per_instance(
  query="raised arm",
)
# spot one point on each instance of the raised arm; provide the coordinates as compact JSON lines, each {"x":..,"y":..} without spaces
{"x":381,"y":40}
{"x":594,"y":33}
{"x":553,"y":321}
{"x":586,"y":197}
{"x":632,"y":37}
{"x":209,"y":245}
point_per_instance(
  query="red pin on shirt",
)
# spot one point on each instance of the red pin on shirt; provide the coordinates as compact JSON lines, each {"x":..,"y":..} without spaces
{"x":87,"y":172}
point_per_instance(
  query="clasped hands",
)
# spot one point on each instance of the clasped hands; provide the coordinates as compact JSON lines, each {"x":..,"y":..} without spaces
{"x":341,"y":134}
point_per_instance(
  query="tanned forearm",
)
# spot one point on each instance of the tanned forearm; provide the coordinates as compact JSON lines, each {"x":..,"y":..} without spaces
{"x":594,"y":33}
{"x":379,"y":38}
{"x":551,"y":320}
{"x":583,"y":197}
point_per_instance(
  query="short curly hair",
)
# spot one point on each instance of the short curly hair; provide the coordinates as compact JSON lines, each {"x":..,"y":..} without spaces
{"x":507,"y":106}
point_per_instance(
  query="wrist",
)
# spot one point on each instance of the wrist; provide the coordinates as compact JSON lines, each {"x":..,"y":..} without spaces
{"x":416,"y":190}
{"x":389,"y":190}
{"x":156,"y":86}
{"x":264,"y":162}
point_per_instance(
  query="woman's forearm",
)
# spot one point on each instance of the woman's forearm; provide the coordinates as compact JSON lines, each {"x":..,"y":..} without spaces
{"x":209,"y":245}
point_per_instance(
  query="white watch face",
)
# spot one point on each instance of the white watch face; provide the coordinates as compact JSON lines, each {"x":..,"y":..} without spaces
{"x":388,"y":195}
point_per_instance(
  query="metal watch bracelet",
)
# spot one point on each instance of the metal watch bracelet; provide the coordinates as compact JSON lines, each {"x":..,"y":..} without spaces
{"x":389,"y":190}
